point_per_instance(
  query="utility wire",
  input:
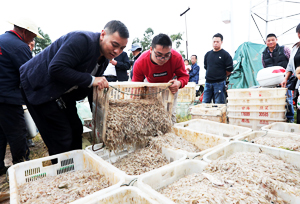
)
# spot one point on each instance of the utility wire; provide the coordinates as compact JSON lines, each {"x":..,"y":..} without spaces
{"x":284,"y":17}
{"x":258,"y":4}
{"x":286,"y":31}
{"x":296,"y":2}
{"x":258,"y":29}
{"x":260,"y":17}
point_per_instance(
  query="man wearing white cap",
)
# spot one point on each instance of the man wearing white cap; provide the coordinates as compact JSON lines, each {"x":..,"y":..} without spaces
{"x":14,"y":52}
{"x":136,"y":50}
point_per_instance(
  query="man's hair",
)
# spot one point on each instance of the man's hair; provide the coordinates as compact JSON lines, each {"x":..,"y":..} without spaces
{"x":116,"y":26}
{"x":271,"y":35}
{"x":218,"y":35}
{"x":195,"y":56}
{"x":298,"y":28}
{"x":161,"y":39}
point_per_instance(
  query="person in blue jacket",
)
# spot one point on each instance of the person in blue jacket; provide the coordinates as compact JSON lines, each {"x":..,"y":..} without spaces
{"x":14,"y":51}
{"x":63,"y":73}
{"x":194,"y":73}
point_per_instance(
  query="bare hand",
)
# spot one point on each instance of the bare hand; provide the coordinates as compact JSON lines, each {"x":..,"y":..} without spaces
{"x":101,"y":82}
{"x":113,"y":62}
{"x":283,"y":83}
{"x":175,"y":86}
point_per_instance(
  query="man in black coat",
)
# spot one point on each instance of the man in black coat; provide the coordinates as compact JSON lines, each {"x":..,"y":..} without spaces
{"x":117,"y":68}
{"x":63,"y":73}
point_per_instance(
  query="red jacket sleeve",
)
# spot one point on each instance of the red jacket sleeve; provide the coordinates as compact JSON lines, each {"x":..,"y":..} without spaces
{"x":138,"y":75}
{"x":181,"y":73}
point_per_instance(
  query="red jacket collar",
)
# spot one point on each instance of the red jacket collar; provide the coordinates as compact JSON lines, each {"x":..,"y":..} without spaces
{"x":17,"y":34}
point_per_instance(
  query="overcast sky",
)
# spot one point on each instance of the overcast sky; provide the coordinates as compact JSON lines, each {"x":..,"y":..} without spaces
{"x":205,"y":18}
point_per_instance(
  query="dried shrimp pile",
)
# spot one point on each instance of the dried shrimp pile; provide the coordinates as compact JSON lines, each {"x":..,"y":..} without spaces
{"x":170,"y":140}
{"x":63,"y":188}
{"x":242,"y":178}
{"x":141,"y":161}
{"x":286,"y":142}
{"x":129,"y":121}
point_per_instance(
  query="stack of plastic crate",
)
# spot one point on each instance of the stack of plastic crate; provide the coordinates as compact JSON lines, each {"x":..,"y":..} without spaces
{"x":256,"y":107}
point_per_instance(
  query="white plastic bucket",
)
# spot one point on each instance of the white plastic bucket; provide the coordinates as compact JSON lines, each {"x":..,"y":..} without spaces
{"x":31,"y":127}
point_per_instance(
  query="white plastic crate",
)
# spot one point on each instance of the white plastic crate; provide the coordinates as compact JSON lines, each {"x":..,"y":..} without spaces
{"x":254,"y":123}
{"x":256,"y":100}
{"x":33,"y":170}
{"x":213,"y":112}
{"x":262,"y":114}
{"x":213,"y":128}
{"x":238,"y":146}
{"x":251,"y":136}
{"x":133,"y":90}
{"x":187,"y":94}
{"x":283,"y":127}
{"x":233,"y":147}
{"x":124,"y":195}
{"x":172,"y":156}
{"x":251,"y":107}
{"x":204,"y":141}
{"x":165,"y":176}
{"x":258,"y":92}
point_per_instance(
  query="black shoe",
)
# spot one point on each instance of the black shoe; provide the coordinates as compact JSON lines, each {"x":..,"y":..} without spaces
{"x":3,"y":170}
{"x":30,"y":143}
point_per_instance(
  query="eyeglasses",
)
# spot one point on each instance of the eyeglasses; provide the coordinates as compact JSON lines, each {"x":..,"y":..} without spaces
{"x":166,"y":57}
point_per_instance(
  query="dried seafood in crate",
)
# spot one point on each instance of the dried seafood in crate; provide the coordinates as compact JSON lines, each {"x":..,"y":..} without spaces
{"x":284,"y":142}
{"x":129,"y":121}
{"x":244,"y":177}
{"x":141,"y":161}
{"x":63,"y":188}
{"x":170,"y":140}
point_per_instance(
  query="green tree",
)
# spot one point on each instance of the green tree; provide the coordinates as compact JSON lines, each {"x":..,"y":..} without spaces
{"x":176,"y":39}
{"x":41,"y":44}
{"x":147,"y":39}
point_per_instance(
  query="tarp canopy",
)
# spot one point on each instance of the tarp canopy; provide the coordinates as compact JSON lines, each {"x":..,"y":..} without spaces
{"x":248,"y":62}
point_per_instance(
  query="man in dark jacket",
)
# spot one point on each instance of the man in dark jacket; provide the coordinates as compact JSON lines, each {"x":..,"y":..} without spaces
{"x":117,"y":68}
{"x":65,"y":72}
{"x":14,"y":51}
{"x":275,"y":55}
{"x":194,"y":73}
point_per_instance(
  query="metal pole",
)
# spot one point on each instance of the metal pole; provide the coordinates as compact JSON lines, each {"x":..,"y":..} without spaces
{"x":249,"y":21}
{"x":267,"y":18}
{"x":187,"y":55}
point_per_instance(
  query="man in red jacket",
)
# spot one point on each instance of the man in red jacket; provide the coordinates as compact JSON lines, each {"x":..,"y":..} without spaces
{"x":161,"y":64}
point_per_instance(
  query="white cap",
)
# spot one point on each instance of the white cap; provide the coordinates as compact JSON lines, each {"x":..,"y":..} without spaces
{"x":27,"y":24}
